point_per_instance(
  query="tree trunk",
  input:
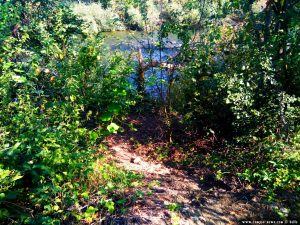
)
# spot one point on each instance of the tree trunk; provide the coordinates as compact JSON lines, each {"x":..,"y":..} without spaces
{"x":141,"y":75}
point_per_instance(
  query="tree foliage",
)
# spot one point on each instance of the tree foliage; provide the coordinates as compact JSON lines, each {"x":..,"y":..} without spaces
{"x":62,"y":92}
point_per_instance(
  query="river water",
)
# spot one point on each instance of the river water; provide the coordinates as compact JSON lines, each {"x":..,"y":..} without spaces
{"x":156,"y":78}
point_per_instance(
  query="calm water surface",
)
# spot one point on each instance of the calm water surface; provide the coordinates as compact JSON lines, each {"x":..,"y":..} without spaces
{"x":131,"y":42}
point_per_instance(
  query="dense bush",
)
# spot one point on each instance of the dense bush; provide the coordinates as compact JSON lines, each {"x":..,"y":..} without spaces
{"x":255,"y":86}
{"x":240,"y":81}
{"x":51,"y":85}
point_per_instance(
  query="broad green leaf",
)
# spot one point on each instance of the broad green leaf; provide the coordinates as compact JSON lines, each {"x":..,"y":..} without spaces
{"x":18,"y":70}
{"x":16,"y":177}
{"x":2,"y":196}
{"x":110,"y":205}
{"x":4,"y":213}
{"x":106,"y":117}
{"x":12,"y":151}
{"x":19,"y":79}
{"x":91,"y":210}
{"x":72,"y":98}
{"x":114,"y":108}
{"x":93,"y":136}
{"x":85,"y":195}
{"x":113,"y":128}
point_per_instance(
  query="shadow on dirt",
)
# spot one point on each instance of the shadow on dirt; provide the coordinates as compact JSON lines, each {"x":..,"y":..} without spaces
{"x":194,"y":193}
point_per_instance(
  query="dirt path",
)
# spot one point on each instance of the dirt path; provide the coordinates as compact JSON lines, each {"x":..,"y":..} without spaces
{"x":177,"y":196}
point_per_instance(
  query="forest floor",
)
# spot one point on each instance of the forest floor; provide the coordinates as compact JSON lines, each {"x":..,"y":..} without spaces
{"x":176,"y":194}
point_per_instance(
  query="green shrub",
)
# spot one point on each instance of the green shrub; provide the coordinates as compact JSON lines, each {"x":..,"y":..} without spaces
{"x":51,"y":83}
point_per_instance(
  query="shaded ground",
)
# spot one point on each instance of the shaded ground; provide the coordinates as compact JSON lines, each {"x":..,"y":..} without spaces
{"x":175,"y":194}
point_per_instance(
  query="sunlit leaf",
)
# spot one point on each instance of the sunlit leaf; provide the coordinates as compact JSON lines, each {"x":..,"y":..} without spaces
{"x":93,"y":136}
{"x":19,"y":79}
{"x":113,"y":128}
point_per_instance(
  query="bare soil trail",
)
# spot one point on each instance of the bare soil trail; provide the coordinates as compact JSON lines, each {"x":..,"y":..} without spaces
{"x":175,"y":195}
